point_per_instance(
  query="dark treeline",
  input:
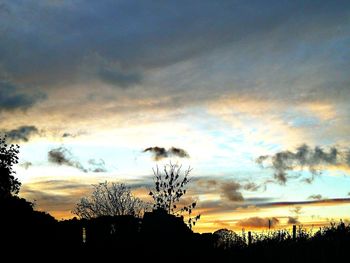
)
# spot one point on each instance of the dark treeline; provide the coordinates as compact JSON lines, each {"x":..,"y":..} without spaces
{"x":160,"y":234}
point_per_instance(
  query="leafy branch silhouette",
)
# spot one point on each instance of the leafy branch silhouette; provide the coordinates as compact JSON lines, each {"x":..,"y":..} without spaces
{"x":170,"y":186}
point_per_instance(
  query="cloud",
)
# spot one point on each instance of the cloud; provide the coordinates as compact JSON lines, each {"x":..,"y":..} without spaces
{"x":257,"y":200}
{"x":158,"y":152}
{"x":323,"y":202}
{"x":58,"y":200}
{"x":73,"y":134}
{"x":12,"y":98}
{"x":207,"y":183}
{"x":49,"y":200}
{"x":178,"y":152}
{"x":67,"y":134}
{"x":314,"y":160}
{"x":251,"y":186}
{"x":125,"y":47}
{"x":97,"y":166}
{"x":119,"y":78}
{"x":315,"y":197}
{"x":57,"y":185}
{"x":26,"y":165}
{"x":230,"y":191}
{"x":161,"y":153}
{"x":293,"y":220}
{"x":22,"y":133}
{"x":258,"y":222}
{"x":62,"y":156}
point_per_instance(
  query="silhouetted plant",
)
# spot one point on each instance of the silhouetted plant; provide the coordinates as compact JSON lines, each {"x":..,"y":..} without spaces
{"x":170,"y":186}
{"x":8,"y":157}
{"x":110,"y":199}
{"x":227,"y":239}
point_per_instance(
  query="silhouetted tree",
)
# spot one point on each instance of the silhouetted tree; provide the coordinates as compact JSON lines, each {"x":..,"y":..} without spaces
{"x":110,"y":199}
{"x":170,"y":186}
{"x":8,"y":157}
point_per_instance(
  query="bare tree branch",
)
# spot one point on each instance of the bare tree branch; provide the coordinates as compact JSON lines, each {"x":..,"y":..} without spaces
{"x":110,"y":199}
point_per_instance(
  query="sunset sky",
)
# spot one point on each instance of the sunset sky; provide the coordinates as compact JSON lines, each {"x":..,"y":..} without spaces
{"x":255,"y":94}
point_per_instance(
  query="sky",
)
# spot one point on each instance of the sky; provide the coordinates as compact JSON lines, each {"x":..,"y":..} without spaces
{"x":252,"y":95}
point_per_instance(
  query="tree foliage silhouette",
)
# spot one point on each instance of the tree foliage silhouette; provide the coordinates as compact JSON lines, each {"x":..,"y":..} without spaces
{"x":110,"y":199}
{"x":170,"y":187}
{"x":9,"y":185}
{"x":227,"y":239}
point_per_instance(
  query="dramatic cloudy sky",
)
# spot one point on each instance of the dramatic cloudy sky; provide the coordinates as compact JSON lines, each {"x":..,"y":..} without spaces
{"x":253,"y":95}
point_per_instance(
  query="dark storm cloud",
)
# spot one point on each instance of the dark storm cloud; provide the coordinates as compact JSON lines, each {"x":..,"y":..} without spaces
{"x":63,"y":156}
{"x":258,"y":222}
{"x":12,"y":98}
{"x":119,"y":42}
{"x":313,"y":159}
{"x":161,"y":153}
{"x":22,"y":133}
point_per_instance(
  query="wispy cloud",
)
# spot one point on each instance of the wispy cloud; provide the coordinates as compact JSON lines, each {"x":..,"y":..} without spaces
{"x":251,"y":186}
{"x":314,"y":160}
{"x":330,"y":201}
{"x":98,"y":166}
{"x":229,"y":190}
{"x":63,"y":156}
{"x":258,"y":222}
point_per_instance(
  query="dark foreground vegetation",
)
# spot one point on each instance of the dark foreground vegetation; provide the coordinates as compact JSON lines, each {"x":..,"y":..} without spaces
{"x":158,"y":235}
